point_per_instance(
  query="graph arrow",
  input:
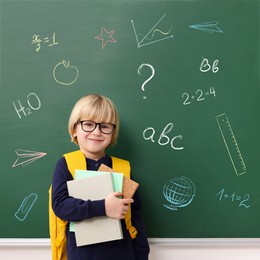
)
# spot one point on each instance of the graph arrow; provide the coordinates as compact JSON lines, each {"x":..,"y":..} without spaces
{"x":26,"y":157}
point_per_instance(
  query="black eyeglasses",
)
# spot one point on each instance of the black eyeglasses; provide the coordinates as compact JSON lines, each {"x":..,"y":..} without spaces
{"x":90,"y":126}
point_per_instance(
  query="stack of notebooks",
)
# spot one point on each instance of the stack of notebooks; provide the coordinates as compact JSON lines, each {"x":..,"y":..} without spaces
{"x":96,"y":185}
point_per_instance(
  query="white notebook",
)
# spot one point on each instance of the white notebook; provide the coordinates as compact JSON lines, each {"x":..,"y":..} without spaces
{"x":98,"y":229}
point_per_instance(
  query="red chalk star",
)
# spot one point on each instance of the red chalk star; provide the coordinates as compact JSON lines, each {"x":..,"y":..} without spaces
{"x":105,"y":37}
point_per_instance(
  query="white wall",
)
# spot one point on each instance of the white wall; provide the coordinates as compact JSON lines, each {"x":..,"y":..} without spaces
{"x":168,"y":249}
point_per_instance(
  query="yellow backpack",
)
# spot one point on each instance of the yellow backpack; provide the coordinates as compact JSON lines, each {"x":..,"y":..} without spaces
{"x":57,"y":227}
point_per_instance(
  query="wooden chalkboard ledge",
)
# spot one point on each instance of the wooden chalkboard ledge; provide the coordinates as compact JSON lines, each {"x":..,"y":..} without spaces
{"x":155,"y":242}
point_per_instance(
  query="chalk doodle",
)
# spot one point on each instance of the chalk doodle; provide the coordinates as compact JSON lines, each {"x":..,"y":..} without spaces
{"x":152,"y":75}
{"x":64,"y":73}
{"x":205,"y":66}
{"x":151,"y":32}
{"x":179,"y":192}
{"x":157,"y":31}
{"x":164,"y":139}
{"x":26,"y":157}
{"x":37,"y":40}
{"x":33,"y":102}
{"x":231,"y":144}
{"x":106,"y":36}
{"x":234,"y":197}
{"x":209,"y":27}
{"x":25,"y":207}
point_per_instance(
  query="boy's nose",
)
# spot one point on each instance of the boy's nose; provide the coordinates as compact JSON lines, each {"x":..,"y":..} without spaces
{"x":97,"y":130}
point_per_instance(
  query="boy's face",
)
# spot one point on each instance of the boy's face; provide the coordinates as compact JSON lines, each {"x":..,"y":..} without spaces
{"x":92,"y":144}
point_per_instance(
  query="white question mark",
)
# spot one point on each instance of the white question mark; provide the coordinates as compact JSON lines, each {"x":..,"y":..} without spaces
{"x":139,"y":72}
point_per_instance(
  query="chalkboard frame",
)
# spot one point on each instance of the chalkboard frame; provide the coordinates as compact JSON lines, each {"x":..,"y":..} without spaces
{"x":167,"y":133}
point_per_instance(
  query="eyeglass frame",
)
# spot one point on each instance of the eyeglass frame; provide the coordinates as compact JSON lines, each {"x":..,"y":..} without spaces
{"x":96,"y":124}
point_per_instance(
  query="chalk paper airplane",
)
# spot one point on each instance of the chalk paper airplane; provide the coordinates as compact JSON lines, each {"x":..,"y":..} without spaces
{"x":209,"y":27}
{"x":26,"y":157}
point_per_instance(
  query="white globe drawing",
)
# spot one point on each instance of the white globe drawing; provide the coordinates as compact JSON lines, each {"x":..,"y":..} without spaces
{"x":179,"y":192}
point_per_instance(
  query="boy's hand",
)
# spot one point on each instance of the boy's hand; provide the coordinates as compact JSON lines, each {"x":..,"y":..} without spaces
{"x":115,"y":207}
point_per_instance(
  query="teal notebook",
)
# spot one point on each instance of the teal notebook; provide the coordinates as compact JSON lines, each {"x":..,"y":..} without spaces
{"x":117,"y":179}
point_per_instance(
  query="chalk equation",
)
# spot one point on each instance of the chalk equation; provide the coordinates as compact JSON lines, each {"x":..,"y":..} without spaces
{"x":231,"y":144}
{"x":64,"y":73}
{"x":148,"y":38}
{"x":33,"y":104}
{"x":242,"y":200}
{"x":26,"y":157}
{"x":106,"y":36}
{"x":179,"y":192}
{"x":26,"y":206}
{"x":37,"y":41}
{"x":199,"y":95}
{"x":164,"y":139}
{"x":208,"y":27}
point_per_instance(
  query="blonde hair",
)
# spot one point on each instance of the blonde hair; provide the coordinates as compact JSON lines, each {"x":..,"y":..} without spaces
{"x":94,"y":107}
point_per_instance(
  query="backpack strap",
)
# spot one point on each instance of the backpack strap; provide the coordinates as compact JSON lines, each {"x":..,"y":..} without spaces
{"x":120,"y":165}
{"x":75,"y":160}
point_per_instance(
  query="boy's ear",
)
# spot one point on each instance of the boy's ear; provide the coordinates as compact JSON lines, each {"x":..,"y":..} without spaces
{"x":74,"y":134}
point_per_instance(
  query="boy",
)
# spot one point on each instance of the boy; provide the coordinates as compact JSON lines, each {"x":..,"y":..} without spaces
{"x":93,"y":126}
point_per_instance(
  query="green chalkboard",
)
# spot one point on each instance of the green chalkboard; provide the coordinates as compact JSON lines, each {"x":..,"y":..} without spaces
{"x":184,"y":76}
